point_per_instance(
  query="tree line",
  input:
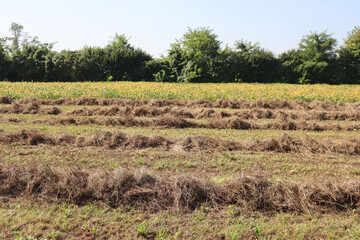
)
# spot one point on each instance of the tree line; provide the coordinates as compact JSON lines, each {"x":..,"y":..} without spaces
{"x":196,"y":57}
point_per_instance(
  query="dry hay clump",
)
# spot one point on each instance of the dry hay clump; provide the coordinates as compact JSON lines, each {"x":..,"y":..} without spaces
{"x":347,"y":113}
{"x":6,"y":100}
{"x":101,"y":138}
{"x":132,"y":111}
{"x":221,"y":103}
{"x":169,"y":121}
{"x":257,"y":193}
{"x":143,"y":191}
{"x":26,"y":137}
{"x":127,"y":121}
{"x":284,"y":143}
{"x":110,"y":111}
{"x":306,"y":144}
{"x":253,"y":113}
{"x":87,"y":101}
{"x":119,"y":139}
{"x":115,"y":188}
{"x":31,"y":108}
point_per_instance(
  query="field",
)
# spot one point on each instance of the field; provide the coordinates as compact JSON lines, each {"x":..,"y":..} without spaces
{"x":188,"y":161}
{"x":208,"y":91}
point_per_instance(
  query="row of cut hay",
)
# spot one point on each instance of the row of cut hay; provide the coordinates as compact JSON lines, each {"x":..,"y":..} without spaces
{"x":169,"y":121}
{"x":284,"y":143}
{"x":222,"y":103}
{"x":255,"y":113}
{"x":151,"y":193}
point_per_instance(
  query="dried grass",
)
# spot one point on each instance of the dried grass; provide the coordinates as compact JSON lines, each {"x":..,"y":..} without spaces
{"x":284,"y":143}
{"x":222,"y":103}
{"x":149,"y":193}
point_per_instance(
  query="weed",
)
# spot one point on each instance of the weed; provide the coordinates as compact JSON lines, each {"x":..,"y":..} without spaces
{"x":190,"y":165}
{"x":161,"y":165}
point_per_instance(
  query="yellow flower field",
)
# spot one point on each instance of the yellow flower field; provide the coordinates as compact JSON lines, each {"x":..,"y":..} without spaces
{"x":210,"y":91}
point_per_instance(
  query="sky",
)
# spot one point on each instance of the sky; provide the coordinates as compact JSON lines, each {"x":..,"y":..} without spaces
{"x":153,"y":25}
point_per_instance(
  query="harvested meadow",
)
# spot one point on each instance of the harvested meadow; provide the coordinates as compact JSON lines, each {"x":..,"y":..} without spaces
{"x":155,"y":162}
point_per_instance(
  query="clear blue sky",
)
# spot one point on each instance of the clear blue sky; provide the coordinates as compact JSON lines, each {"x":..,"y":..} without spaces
{"x":153,"y":25}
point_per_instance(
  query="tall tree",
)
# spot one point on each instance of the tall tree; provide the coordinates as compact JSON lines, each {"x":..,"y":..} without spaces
{"x":124,"y":62}
{"x":349,"y":57}
{"x":254,"y":64}
{"x":194,"y":57}
{"x":3,"y":63}
{"x":31,"y":63}
{"x":317,"y":54}
{"x":16,"y":32}
{"x":64,"y":66}
{"x":290,"y":61}
{"x":89,"y":64}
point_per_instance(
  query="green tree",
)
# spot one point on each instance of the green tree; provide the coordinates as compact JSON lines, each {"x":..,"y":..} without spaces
{"x":124,"y":62}
{"x":89,"y":64}
{"x":290,"y":61}
{"x":254,"y":64}
{"x":16,"y":32}
{"x":225,"y":66}
{"x":195,"y":56}
{"x":30,"y":63}
{"x":318,"y":58}
{"x":158,"y":70}
{"x":3,"y":63}
{"x":349,"y":57}
{"x":64,"y":66}
{"x":28,"y":59}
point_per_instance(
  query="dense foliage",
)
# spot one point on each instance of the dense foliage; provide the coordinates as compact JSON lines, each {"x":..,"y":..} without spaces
{"x":3,"y":63}
{"x":196,"y":57}
{"x":349,"y":58}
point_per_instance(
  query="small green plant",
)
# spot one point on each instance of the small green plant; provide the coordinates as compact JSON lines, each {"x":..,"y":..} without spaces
{"x":190,"y":165}
{"x":142,"y":161}
{"x":355,"y":171}
{"x":256,"y":228}
{"x":144,"y":230}
{"x":110,"y":78}
{"x":177,"y":233}
{"x":94,"y":231}
{"x":161,"y":165}
{"x":53,"y":234}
